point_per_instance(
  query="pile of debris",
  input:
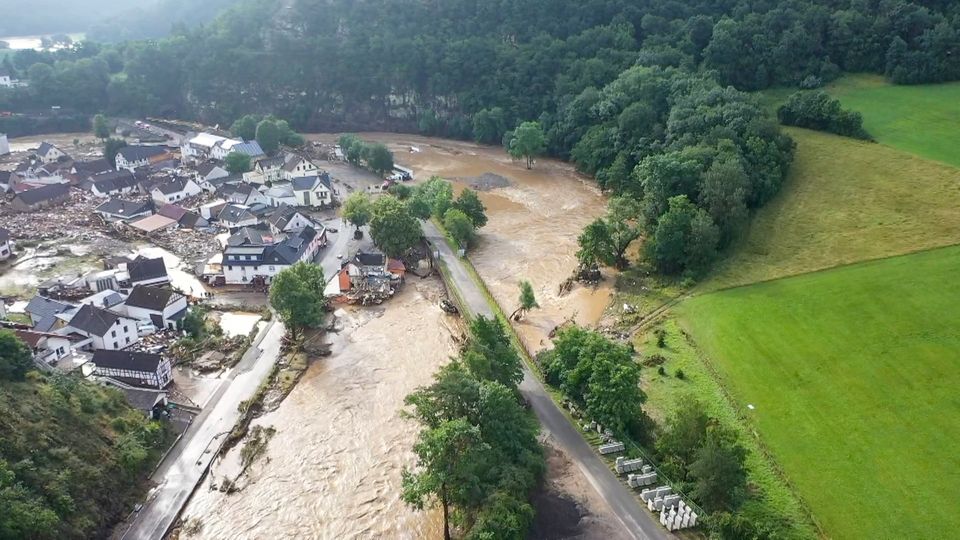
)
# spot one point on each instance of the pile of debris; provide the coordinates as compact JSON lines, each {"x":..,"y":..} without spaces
{"x":73,"y":219}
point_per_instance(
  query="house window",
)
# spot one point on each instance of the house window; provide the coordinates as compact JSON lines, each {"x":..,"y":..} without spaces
{"x":113,"y":333}
{"x":116,"y":345}
{"x":272,"y":268}
{"x":125,"y":329}
{"x":128,"y":341}
{"x":229,"y":267}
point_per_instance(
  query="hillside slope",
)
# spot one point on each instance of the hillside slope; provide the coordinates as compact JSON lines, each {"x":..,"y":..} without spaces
{"x":845,"y":201}
{"x":72,"y":455}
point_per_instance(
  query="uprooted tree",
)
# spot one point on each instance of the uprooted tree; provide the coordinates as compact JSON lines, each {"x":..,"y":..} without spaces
{"x":528,"y":301}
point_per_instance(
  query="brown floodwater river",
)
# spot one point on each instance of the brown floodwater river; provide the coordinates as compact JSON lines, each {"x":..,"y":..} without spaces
{"x":332,"y":470}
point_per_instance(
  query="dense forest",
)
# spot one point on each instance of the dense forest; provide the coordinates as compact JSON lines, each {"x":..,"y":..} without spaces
{"x":647,"y":96}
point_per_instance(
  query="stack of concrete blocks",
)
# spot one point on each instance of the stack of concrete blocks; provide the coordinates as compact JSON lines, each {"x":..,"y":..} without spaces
{"x":641,"y":480}
{"x":611,"y":448}
{"x":655,"y":502}
{"x":678,"y":516}
{"x":625,"y":465}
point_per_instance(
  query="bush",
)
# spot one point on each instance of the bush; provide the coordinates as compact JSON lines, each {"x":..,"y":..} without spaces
{"x":661,"y":371}
{"x":679,"y":374}
{"x":819,"y":111}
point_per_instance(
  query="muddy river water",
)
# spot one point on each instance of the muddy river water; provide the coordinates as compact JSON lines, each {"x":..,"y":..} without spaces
{"x":332,"y":470}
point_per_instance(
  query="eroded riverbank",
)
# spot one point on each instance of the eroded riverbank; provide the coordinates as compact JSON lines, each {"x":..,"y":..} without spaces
{"x":332,"y":469}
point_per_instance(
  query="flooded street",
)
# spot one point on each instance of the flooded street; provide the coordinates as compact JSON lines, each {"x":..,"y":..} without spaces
{"x":332,"y":469}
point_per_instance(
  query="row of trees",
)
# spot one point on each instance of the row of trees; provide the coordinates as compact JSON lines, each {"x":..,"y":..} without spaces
{"x":357,"y":151}
{"x":477,"y":451}
{"x":270,"y":132}
{"x":393,"y":217}
{"x":817,"y":110}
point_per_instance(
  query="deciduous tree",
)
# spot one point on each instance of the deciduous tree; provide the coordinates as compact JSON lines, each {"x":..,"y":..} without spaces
{"x":101,"y":129}
{"x":237,"y":163}
{"x":470,"y":204}
{"x":459,"y":227}
{"x":527,"y":142}
{"x":357,"y":209}
{"x":296,"y":293}
{"x":393,"y":228}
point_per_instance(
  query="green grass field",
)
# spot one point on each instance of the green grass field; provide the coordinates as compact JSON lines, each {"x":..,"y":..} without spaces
{"x":845,"y":201}
{"x":923,"y":119}
{"x":853,"y":375}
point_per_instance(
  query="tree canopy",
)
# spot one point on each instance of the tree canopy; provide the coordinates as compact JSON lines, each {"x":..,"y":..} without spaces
{"x":238,"y":163}
{"x":357,"y":209}
{"x":296,"y":293}
{"x":393,"y":228}
{"x":527,"y":142}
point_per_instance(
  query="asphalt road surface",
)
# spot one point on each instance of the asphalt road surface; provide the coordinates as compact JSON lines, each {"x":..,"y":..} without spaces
{"x":636,"y":520}
{"x":186,"y":464}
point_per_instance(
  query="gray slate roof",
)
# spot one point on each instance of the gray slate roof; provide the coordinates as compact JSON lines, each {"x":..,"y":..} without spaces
{"x":43,"y":193}
{"x":144,"y":269}
{"x":139,"y":153}
{"x":120,"y":207}
{"x":41,"y":307}
{"x":134,"y":361}
{"x":94,"y":320}
{"x":152,"y":298}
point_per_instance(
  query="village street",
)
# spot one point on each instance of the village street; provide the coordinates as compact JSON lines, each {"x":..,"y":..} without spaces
{"x":635,"y":519}
{"x":181,"y":470}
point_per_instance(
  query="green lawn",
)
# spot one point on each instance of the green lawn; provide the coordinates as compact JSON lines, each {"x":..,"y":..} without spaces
{"x":923,"y":120}
{"x":853,"y":373}
{"x":845,"y":201}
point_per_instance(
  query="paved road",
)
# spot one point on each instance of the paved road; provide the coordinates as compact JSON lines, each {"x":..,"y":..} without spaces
{"x":340,"y":243}
{"x":186,"y":464}
{"x":636,"y":520}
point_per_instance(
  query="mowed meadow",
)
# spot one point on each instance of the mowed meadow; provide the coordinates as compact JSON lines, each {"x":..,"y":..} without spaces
{"x":921,"y":119}
{"x":853,"y":376}
{"x":833,"y":325}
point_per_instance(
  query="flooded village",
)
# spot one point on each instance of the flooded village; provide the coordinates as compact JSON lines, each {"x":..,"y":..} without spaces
{"x":322,"y":454}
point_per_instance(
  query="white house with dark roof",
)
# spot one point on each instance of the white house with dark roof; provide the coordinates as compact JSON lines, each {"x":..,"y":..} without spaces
{"x":234,"y":216}
{"x":296,"y":166}
{"x":132,"y":158}
{"x":105,"y":329}
{"x":112,"y":183}
{"x":133,"y":368}
{"x":162,"y":306}
{"x":313,"y":191}
{"x":286,"y":219}
{"x":266,"y":169}
{"x":208,"y":171}
{"x":175,"y":190}
{"x":48,"y":153}
{"x":6,"y":246}
{"x":253,"y":254}
{"x":243,"y":194}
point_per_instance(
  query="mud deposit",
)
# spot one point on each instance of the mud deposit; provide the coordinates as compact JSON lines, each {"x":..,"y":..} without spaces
{"x":535,"y":217}
{"x":332,"y":470}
